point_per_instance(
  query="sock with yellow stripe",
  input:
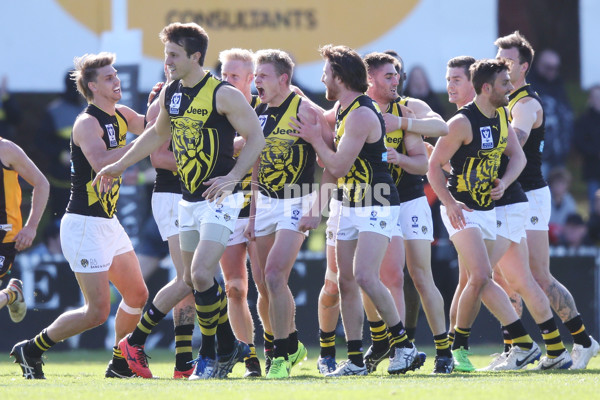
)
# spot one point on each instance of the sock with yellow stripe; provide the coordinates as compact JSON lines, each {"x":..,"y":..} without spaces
{"x":119,"y":362}
{"x":10,"y":295}
{"x":519,"y":335}
{"x":398,"y":336}
{"x":39,"y":344}
{"x":551,"y":336}
{"x":268,"y":338}
{"x":442,"y":345}
{"x":149,"y":320}
{"x":252,"y":352}
{"x":327,"y":343}
{"x":355,"y":352}
{"x":183,"y":347}
{"x":450,"y":338}
{"x":461,"y":338}
{"x":577,"y":329}
{"x":225,"y":336}
{"x":208,"y":309}
{"x":379,"y":336}
{"x":507,"y":339}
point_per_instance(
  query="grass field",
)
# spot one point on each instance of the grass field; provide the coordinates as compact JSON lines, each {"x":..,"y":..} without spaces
{"x":80,"y":375}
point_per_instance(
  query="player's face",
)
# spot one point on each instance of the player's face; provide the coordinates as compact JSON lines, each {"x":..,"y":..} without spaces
{"x":516,"y":68}
{"x":107,"y":84}
{"x":459,"y":87}
{"x":267,"y":82}
{"x":500,"y":90}
{"x":238,"y":74}
{"x":384,"y":83}
{"x":332,"y":90}
{"x":177,"y":61}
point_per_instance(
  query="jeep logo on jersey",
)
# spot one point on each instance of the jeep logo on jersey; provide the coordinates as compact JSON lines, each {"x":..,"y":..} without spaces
{"x":199,"y":111}
{"x":112,"y":136}
{"x":487,"y":142}
{"x":175,"y":103}
{"x":281,"y":131}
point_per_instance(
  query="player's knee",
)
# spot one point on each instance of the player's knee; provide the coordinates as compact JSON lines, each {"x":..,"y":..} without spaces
{"x":136,"y":297}
{"x":97,"y":314}
{"x":365,"y":279}
{"x":331,"y":288}
{"x":236,"y":289}
{"x":329,"y":299}
{"x":200,"y":278}
{"x":479,"y":280}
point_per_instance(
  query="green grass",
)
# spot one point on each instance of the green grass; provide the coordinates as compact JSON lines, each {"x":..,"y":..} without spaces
{"x":80,"y":375}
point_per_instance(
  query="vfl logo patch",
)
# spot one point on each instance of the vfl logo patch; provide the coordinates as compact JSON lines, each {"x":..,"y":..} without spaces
{"x":295,"y":214}
{"x":112,"y":136}
{"x":175,"y":103}
{"x":263,"y":120}
{"x":373,"y":216}
{"x":415,"y":221}
{"x":487,"y":142}
{"x":2,"y":258}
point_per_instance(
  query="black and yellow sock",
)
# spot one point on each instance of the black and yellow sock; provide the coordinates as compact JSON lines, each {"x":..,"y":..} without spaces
{"x":149,"y":320}
{"x":268,"y":338}
{"x":208,"y":307}
{"x":398,"y":337}
{"x":379,"y":336}
{"x":461,"y":338}
{"x":10,"y":295}
{"x":507,"y":339}
{"x":252,"y":352}
{"x":119,"y":362}
{"x":293,"y":342}
{"x":183,"y":347}
{"x":450,"y":338}
{"x":225,"y":336}
{"x":280,"y":348}
{"x":39,"y":344}
{"x":551,"y":336}
{"x":410,"y":333}
{"x":442,"y":345}
{"x":577,"y":329}
{"x":519,"y":335}
{"x":327,"y":343}
{"x":355,"y":352}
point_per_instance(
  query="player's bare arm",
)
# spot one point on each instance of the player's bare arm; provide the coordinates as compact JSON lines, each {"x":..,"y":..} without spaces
{"x":15,"y":158}
{"x":415,"y":160}
{"x":135,"y":121}
{"x":516,"y":163}
{"x":527,"y":114}
{"x":428,"y":122}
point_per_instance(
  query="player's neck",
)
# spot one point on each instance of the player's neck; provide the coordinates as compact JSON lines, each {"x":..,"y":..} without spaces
{"x":193,"y":77}
{"x":485,"y":106}
{"x":519,"y":84}
{"x":106,"y":105}
{"x":347,"y":97}
{"x":280,"y":98}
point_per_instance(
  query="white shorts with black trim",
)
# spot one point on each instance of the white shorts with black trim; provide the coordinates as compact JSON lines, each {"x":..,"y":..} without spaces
{"x":415,"y":220}
{"x":378,"y":219}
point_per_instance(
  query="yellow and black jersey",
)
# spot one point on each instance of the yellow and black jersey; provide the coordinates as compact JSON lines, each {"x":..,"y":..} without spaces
{"x":531,"y":178}
{"x":369,"y":181}
{"x":247,"y":179}
{"x":409,"y":186}
{"x":202,"y":138}
{"x":11,"y":221}
{"x":286,"y":162}
{"x":85,"y":198}
{"x":475,"y":165}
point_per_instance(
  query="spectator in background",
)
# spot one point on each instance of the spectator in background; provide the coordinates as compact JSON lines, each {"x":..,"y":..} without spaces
{"x":10,"y":114}
{"x":563,"y":203}
{"x":587,"y":142}
{"x":546,"y":81}
{"x":575,"y":232}
{"x":54,"y":136}
{"x":418,"y":86}
{"x":594,"y":221}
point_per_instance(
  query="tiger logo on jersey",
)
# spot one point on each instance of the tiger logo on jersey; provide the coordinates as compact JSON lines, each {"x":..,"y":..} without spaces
{"x":479,"y":174}
{"x":356,"y":182}
{"x":195,"y":149}
{"x":281,"y":162}
{"x":108,"y":200}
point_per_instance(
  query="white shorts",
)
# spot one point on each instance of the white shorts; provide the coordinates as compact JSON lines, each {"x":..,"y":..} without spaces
{"x":510,"y":221}
{"x":194,"y":214}
{"x":165,"y":208}
{"x":335,"y":206}
{"x":540,"y":206}
{"x":90,"y":243}
{"x":273,"y":214}
{"x":485,"y":221}
{"x":237,"y":236}
{"x":415,"y":219}
{"x":378,"y":219}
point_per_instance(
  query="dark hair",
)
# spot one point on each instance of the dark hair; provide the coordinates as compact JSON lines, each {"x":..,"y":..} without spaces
{"x":190,"y":36}
{"x":376,"y":60}
{"x":399,"y":64}
{"x":347,"y":65}
{"x":464,"y":62}
{"x":486,"y":71}
{"x":519,"y":42}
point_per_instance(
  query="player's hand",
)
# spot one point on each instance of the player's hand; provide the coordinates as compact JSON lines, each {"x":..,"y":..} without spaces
{"x":106,"y":177}
{"x":238,"y":145}
{"x":392,"y":122}
{"x":498,"y":189}
{"x":24,"y":238}
{"x":393,"y":157}
{"x":307,"y":126}
{"x":249,"y":230}
{"x":456,"y":216}
{"x":309,"y":221}
{"x":155,"y":91}
{"x":219,"y":188}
